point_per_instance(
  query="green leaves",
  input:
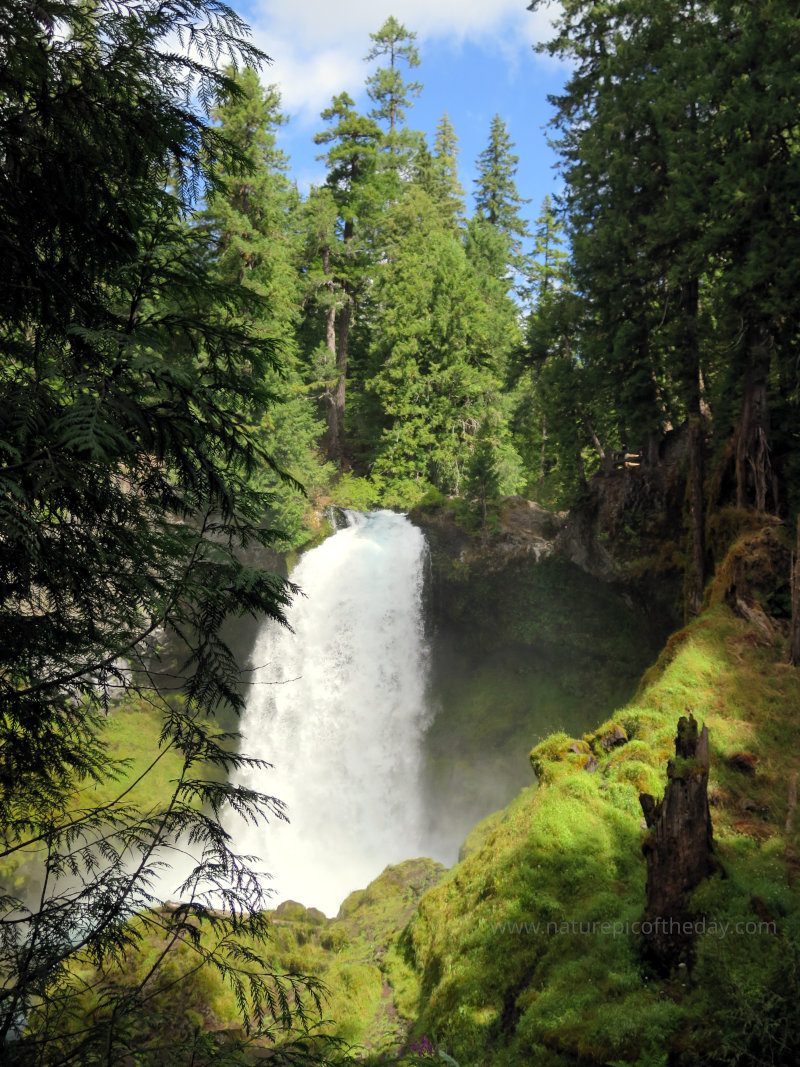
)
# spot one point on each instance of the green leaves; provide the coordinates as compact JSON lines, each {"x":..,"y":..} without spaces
{"x":431,"y":351}
{"x":386,"y":88}
{"x":135,"y":378}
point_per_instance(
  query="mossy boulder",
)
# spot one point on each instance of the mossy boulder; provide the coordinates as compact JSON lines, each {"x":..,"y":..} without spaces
{"x":558,"y":748}
{"x":291,"y":911}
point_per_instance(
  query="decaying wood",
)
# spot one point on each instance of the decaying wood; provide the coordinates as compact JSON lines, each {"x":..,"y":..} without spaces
{"x":756,"y":616}
{"x":791,"y":802}
{"x":678,"y":848}
{"x":794,"y":653}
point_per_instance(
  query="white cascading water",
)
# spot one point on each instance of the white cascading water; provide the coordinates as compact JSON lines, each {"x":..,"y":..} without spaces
{"x":343,"y":715}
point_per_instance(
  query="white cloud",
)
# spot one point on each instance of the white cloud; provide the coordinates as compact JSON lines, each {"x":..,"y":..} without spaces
{"x":308,"y":81}
{"x":318,"y":46}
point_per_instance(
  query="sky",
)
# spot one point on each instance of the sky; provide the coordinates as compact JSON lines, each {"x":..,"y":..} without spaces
{"x":477,"y":60}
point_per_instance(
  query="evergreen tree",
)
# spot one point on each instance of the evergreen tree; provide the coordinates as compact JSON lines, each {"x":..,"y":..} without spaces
{"x":446,"y":188}
{"x":254,"y":218}
{"x":391,"y":94}
{"x":667,"y":110}
{"x":358,"y":194}
{"x":424,"y":169}
{"x":754,"y":171}
{"x":551,"y":444}
{"x":386,"y":88}
{"x":548,"y":263}
{"x":482,"y":483}
{"x":490,"y":246}
{"x":131,"y":388}
{"x":497,"y":201}
{"x":431,"y":351}
{"x":628,"y":113}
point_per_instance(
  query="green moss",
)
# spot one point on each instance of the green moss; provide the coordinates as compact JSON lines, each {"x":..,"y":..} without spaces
{"x":479,"y":834}
{"x":291,"y":911}
{"x":132,"y":733}
{"x":371,"y":991}
{"x":518,"y":652}
{"x":568,"y":854}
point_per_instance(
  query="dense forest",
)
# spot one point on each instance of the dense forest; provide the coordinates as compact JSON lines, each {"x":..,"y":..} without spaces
{"x":196,"y":358}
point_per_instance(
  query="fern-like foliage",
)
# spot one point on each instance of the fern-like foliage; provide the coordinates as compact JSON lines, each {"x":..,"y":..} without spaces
{"x":131,"y":385}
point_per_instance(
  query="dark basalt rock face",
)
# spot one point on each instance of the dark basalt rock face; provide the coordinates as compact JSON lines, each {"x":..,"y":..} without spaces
{"x":678,"y":849}
{"x":628,"y":531}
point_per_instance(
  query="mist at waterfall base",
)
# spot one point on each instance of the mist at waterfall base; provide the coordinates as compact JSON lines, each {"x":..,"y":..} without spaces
{"x":338,"y":707}
{"x":392,"y":735}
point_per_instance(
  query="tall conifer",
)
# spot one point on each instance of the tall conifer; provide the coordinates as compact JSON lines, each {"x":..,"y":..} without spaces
{"x":357,"y":192}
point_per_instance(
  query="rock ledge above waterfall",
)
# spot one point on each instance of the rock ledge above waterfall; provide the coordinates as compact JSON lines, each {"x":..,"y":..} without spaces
{"x":522,"y":529}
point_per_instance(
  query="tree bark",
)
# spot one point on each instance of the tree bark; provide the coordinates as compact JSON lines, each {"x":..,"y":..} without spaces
{"x":755,"y":479}
{"x":334,"y":394}
{"x":678,"y":848}
{"x":606,"y":458}
{"x":340,"y":348}
{"x":696,"y":496}
{"x":543,"y":465}
{"x":794,"y":653}
{"x":339,"y":390}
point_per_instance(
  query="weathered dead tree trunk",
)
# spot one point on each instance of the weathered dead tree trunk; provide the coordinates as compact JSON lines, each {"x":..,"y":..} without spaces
{"x":678,"y":848}
{"x":794,"y":651}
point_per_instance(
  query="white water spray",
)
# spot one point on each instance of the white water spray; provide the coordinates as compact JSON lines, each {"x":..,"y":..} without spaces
{"x":343,"y":719}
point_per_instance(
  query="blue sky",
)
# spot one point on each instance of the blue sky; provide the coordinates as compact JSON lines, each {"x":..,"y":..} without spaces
{"x":477,"y":61}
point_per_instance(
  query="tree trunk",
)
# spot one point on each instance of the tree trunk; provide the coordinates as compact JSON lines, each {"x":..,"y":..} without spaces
{"x":696,"y":495}
{"x":755,"y":479}
{"x":581,"y":471}
{"x":338,"y":393}
{"x":678,"y":848}
{"x":607,"y":458}
{"x":794,"y":654}
{"x":340,"y":347}
{"x":697,"y":576}
{"x":335,"y":406}
{"x":543,"y":467}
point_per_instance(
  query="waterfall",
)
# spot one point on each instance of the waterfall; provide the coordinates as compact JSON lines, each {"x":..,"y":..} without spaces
{"x":339,"y":711}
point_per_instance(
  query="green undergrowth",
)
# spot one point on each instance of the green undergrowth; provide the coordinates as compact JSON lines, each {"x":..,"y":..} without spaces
{"x":132,"y":734}
{"x":368,"y":993}
{"x":141,"y":773}
{"x":526,"y":950}
{"x":372,"y":992}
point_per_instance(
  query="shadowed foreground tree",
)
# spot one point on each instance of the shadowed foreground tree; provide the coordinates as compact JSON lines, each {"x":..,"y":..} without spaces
{"x":131,"y":390}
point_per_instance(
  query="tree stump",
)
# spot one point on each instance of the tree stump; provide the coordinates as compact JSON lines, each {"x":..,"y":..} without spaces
{"x":678,"y":848}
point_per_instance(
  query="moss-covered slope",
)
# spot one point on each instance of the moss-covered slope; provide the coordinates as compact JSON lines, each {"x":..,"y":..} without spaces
{"x":372,"y":992}
{"x":527,"y":952}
